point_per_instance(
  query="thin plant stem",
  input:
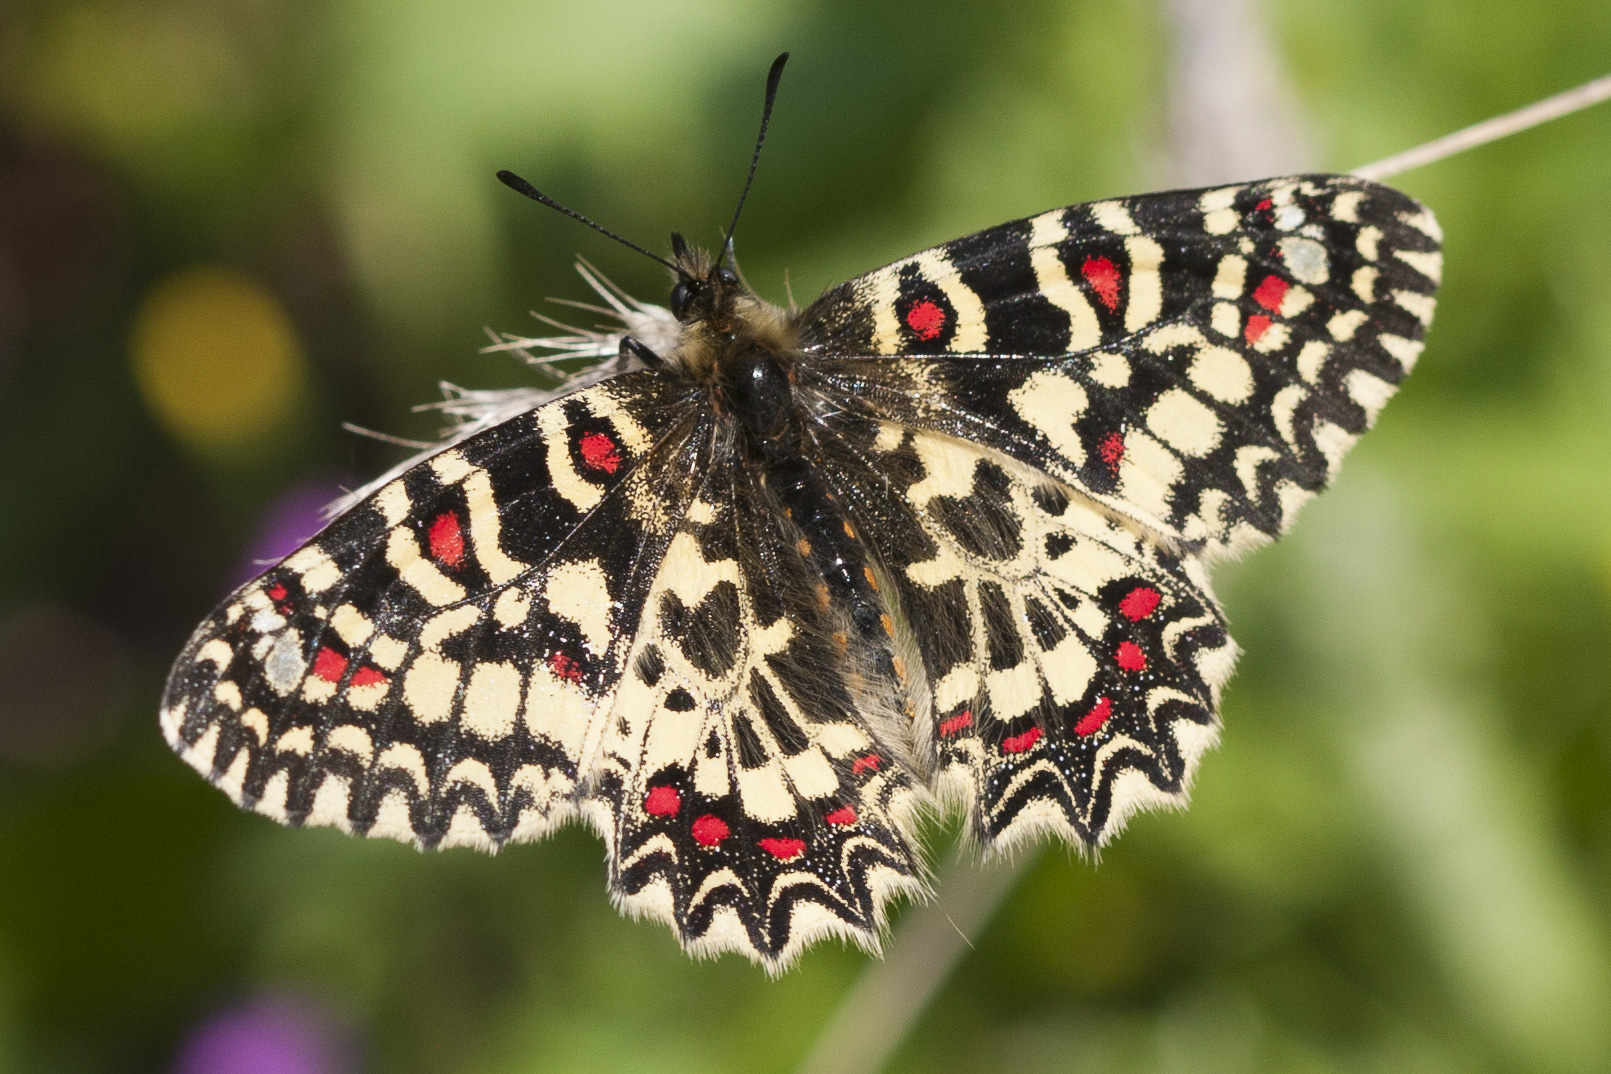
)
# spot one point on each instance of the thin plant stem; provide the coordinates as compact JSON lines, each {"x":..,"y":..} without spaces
{"x":880,"y":1009}
{"x":1489,"y":130}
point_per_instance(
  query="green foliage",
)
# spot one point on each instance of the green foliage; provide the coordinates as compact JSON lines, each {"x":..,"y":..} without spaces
{"x":1399,"y":858}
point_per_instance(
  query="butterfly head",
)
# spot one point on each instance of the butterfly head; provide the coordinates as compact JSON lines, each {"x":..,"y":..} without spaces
{"x":705,"y":289}
{"x":727,"y":332}
{"x":737,"y":345}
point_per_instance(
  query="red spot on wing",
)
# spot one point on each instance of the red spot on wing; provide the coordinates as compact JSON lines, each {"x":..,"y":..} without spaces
{"x":956,"y":723}
{"x":599,"y":453}
{"x":1265,"y":204}
{"x":1112,"y":451}
{"x":710,"y":830}
{"x":1257,"y":325}
{"x":845,"y":814}
{"x":1139,"y":602}
{"x":1020,"y":743}
{"x":1092,"y":721}
{"x":329,"y":665}
{"x":565,"y":666}
{"x":1130,"y":656}
{"x":1104,"y":278}
{"x":276,"y":592}
{"x":926,"y":318}
{"x":664,"y":802}
{"x":1270,"y":293}
{"x":447,"y":539}
{"x":368,"y":677}
{"x":783,"y":849}
{"x":868,"y":763}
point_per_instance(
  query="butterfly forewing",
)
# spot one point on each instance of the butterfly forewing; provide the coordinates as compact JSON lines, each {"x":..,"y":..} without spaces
{"x":432,"y":666}
{"x":1197,"y":360}
{"x":586,"y":609}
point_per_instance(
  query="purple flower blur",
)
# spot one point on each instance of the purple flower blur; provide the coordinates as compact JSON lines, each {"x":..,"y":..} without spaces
{"x":295,"y":515}
{"x":267,"y":1036}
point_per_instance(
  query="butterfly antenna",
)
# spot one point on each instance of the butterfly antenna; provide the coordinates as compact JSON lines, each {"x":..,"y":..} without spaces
{"x":520,"y":186}
{"x":772,"y":79}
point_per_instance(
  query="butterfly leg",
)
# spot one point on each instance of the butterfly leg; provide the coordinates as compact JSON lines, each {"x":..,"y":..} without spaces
{"x":631,"y":348}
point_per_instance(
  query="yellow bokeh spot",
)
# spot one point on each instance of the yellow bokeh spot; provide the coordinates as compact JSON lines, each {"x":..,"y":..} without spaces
{"x":216,"y":358}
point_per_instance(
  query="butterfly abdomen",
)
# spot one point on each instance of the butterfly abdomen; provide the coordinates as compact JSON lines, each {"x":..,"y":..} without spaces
{"x":830,"y":543}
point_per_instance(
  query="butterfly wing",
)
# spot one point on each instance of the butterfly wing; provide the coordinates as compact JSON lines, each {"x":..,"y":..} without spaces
{"x":753,"y":804}
{"x":1198,"y":360}
{"x":1051,"y":427}
{"x":1071,"y":663}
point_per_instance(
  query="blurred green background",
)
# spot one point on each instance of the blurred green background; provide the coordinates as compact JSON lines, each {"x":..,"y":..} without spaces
{"x":227,"y":227}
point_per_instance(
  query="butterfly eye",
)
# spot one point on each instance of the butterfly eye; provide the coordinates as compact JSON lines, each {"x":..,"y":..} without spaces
{"x":681,"y":296}
{"x":727,"y":277}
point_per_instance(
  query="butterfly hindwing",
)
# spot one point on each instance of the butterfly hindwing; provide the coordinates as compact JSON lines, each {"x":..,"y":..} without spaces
{"x":1197,"y":360}
{"x":757,"y":810}
{"x":1072,"y":664}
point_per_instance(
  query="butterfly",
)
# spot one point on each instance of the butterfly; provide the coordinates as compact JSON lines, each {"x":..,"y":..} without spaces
{"x":754,"y":595}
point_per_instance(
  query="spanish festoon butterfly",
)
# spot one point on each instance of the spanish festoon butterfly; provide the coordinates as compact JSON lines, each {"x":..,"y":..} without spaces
{"x":756,"y":591}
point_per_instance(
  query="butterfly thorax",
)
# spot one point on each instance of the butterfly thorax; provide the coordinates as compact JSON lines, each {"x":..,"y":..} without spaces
{"x":738,"y":346}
